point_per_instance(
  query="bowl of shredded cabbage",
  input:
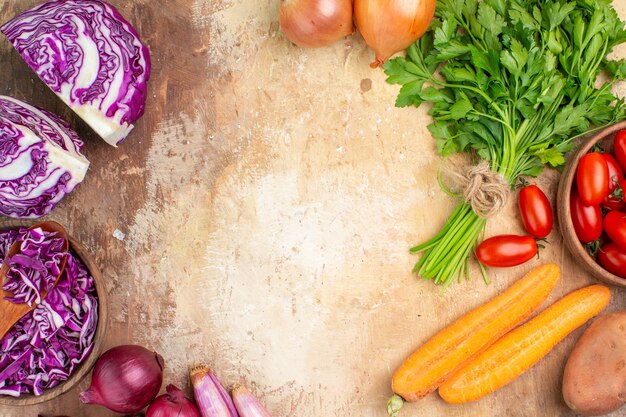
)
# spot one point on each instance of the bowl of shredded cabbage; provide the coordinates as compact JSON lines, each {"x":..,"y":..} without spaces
{"x":50,"y":349}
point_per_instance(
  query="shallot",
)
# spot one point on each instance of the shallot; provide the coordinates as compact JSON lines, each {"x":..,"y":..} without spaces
{"x":210,"y":395}
{"x":125,"y":379}
{"x":247,"y":404}
{"x":390,"y":26}
{"x":316,"y":23}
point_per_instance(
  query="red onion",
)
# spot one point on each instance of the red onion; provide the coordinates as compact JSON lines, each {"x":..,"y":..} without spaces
{"x":247,"y":404}
{"x":125,"y":379}
{"x":172,"y":404}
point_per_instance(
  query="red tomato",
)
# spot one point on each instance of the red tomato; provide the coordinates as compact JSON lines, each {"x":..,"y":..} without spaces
{"x":587,"y":220}
{"x":619,"y":148}
{"x":536,"y":211}
{"x":592,"y":178}
{"x":613,"y":200}
{"x":615,"y":228}
{"x":613,"y":259}
{"x":506,"y":250}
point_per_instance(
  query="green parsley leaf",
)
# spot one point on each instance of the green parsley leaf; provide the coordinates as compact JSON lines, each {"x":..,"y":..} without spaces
{"x":489,"y":19}
{"x":460,"y":109}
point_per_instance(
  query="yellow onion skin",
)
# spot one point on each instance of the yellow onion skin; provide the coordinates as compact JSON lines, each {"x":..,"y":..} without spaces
{"x":316,"y":23}
{"x":390,"y":26}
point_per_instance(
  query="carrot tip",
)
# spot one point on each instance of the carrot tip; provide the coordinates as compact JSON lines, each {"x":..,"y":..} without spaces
{"x":394,"y":405}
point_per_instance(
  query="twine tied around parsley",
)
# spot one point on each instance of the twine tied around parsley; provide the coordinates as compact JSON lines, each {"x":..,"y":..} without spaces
{"x":486,"y":191}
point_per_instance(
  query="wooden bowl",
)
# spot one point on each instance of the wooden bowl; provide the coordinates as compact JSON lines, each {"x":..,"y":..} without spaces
{"x":85,"y":367}
{"x":605,"y":139}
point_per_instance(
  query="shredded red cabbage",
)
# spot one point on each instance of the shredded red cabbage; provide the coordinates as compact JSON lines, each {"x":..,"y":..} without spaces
{"x":47,"y":345}
{"x":36,"y":267}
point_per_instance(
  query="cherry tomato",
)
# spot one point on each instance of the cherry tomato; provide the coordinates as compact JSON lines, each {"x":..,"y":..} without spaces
{"x":619,"y":148}
{"x":536,"y":211}
{"x":506,"y":250}
{"x":592,"y":178}
{"x":613,"y":259}
{"x":614,"y":198}
{"x":615,"y":228}
{"x":587,"y":220}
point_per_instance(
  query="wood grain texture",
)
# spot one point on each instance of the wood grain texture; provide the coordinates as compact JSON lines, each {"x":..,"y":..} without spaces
{"x":268,"y":199}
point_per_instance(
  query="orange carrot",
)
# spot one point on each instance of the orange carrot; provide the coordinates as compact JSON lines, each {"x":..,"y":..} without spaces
{"x":520,"y":349}
{"x":448,"y":350}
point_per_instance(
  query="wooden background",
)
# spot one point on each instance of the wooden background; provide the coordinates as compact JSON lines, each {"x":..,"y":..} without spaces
{"x":268,"y":199}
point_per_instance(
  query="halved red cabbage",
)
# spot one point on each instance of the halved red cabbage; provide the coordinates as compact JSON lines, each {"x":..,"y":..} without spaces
{"x":47,"y":345}
{"x":40,"y":159}
{"x":36,"y":267}
{"x":88,"y":54}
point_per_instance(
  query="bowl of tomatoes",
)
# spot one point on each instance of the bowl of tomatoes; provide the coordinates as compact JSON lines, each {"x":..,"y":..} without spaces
{"x":591,"y":205}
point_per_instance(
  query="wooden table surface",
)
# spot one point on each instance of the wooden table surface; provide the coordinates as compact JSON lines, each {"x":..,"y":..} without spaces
{"x":268,"y":199}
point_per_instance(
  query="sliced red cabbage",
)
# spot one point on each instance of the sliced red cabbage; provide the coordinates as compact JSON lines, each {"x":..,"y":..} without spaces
{"x":35,"y":268}
{"x":47,"y":345}
{"x":40,"y":160}
{"x":90,"y":56}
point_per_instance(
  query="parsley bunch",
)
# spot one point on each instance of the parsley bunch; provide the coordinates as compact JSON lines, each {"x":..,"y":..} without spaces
{"x":514,"y":82}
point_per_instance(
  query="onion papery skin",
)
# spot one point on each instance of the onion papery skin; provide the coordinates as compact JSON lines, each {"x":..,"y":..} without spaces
{"x":316,"y":23}
{"x":125,"y":379}
{"x":391,"y":26}
{"x":90,"y":56}
{"x":172,"y":404}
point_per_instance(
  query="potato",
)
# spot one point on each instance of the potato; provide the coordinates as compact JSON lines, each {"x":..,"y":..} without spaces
{"x":594,"y":380}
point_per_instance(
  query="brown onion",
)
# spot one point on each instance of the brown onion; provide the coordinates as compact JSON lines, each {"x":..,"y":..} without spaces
{"x":390,"y":26}
{"x":315,"y":23}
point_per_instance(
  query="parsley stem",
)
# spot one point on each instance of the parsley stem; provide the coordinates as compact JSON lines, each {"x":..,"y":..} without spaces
{"x":495,"y":119}
{"x":492,"y":103}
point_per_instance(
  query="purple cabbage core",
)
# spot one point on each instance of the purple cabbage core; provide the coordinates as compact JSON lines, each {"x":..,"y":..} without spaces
{"x":47,"y":345}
